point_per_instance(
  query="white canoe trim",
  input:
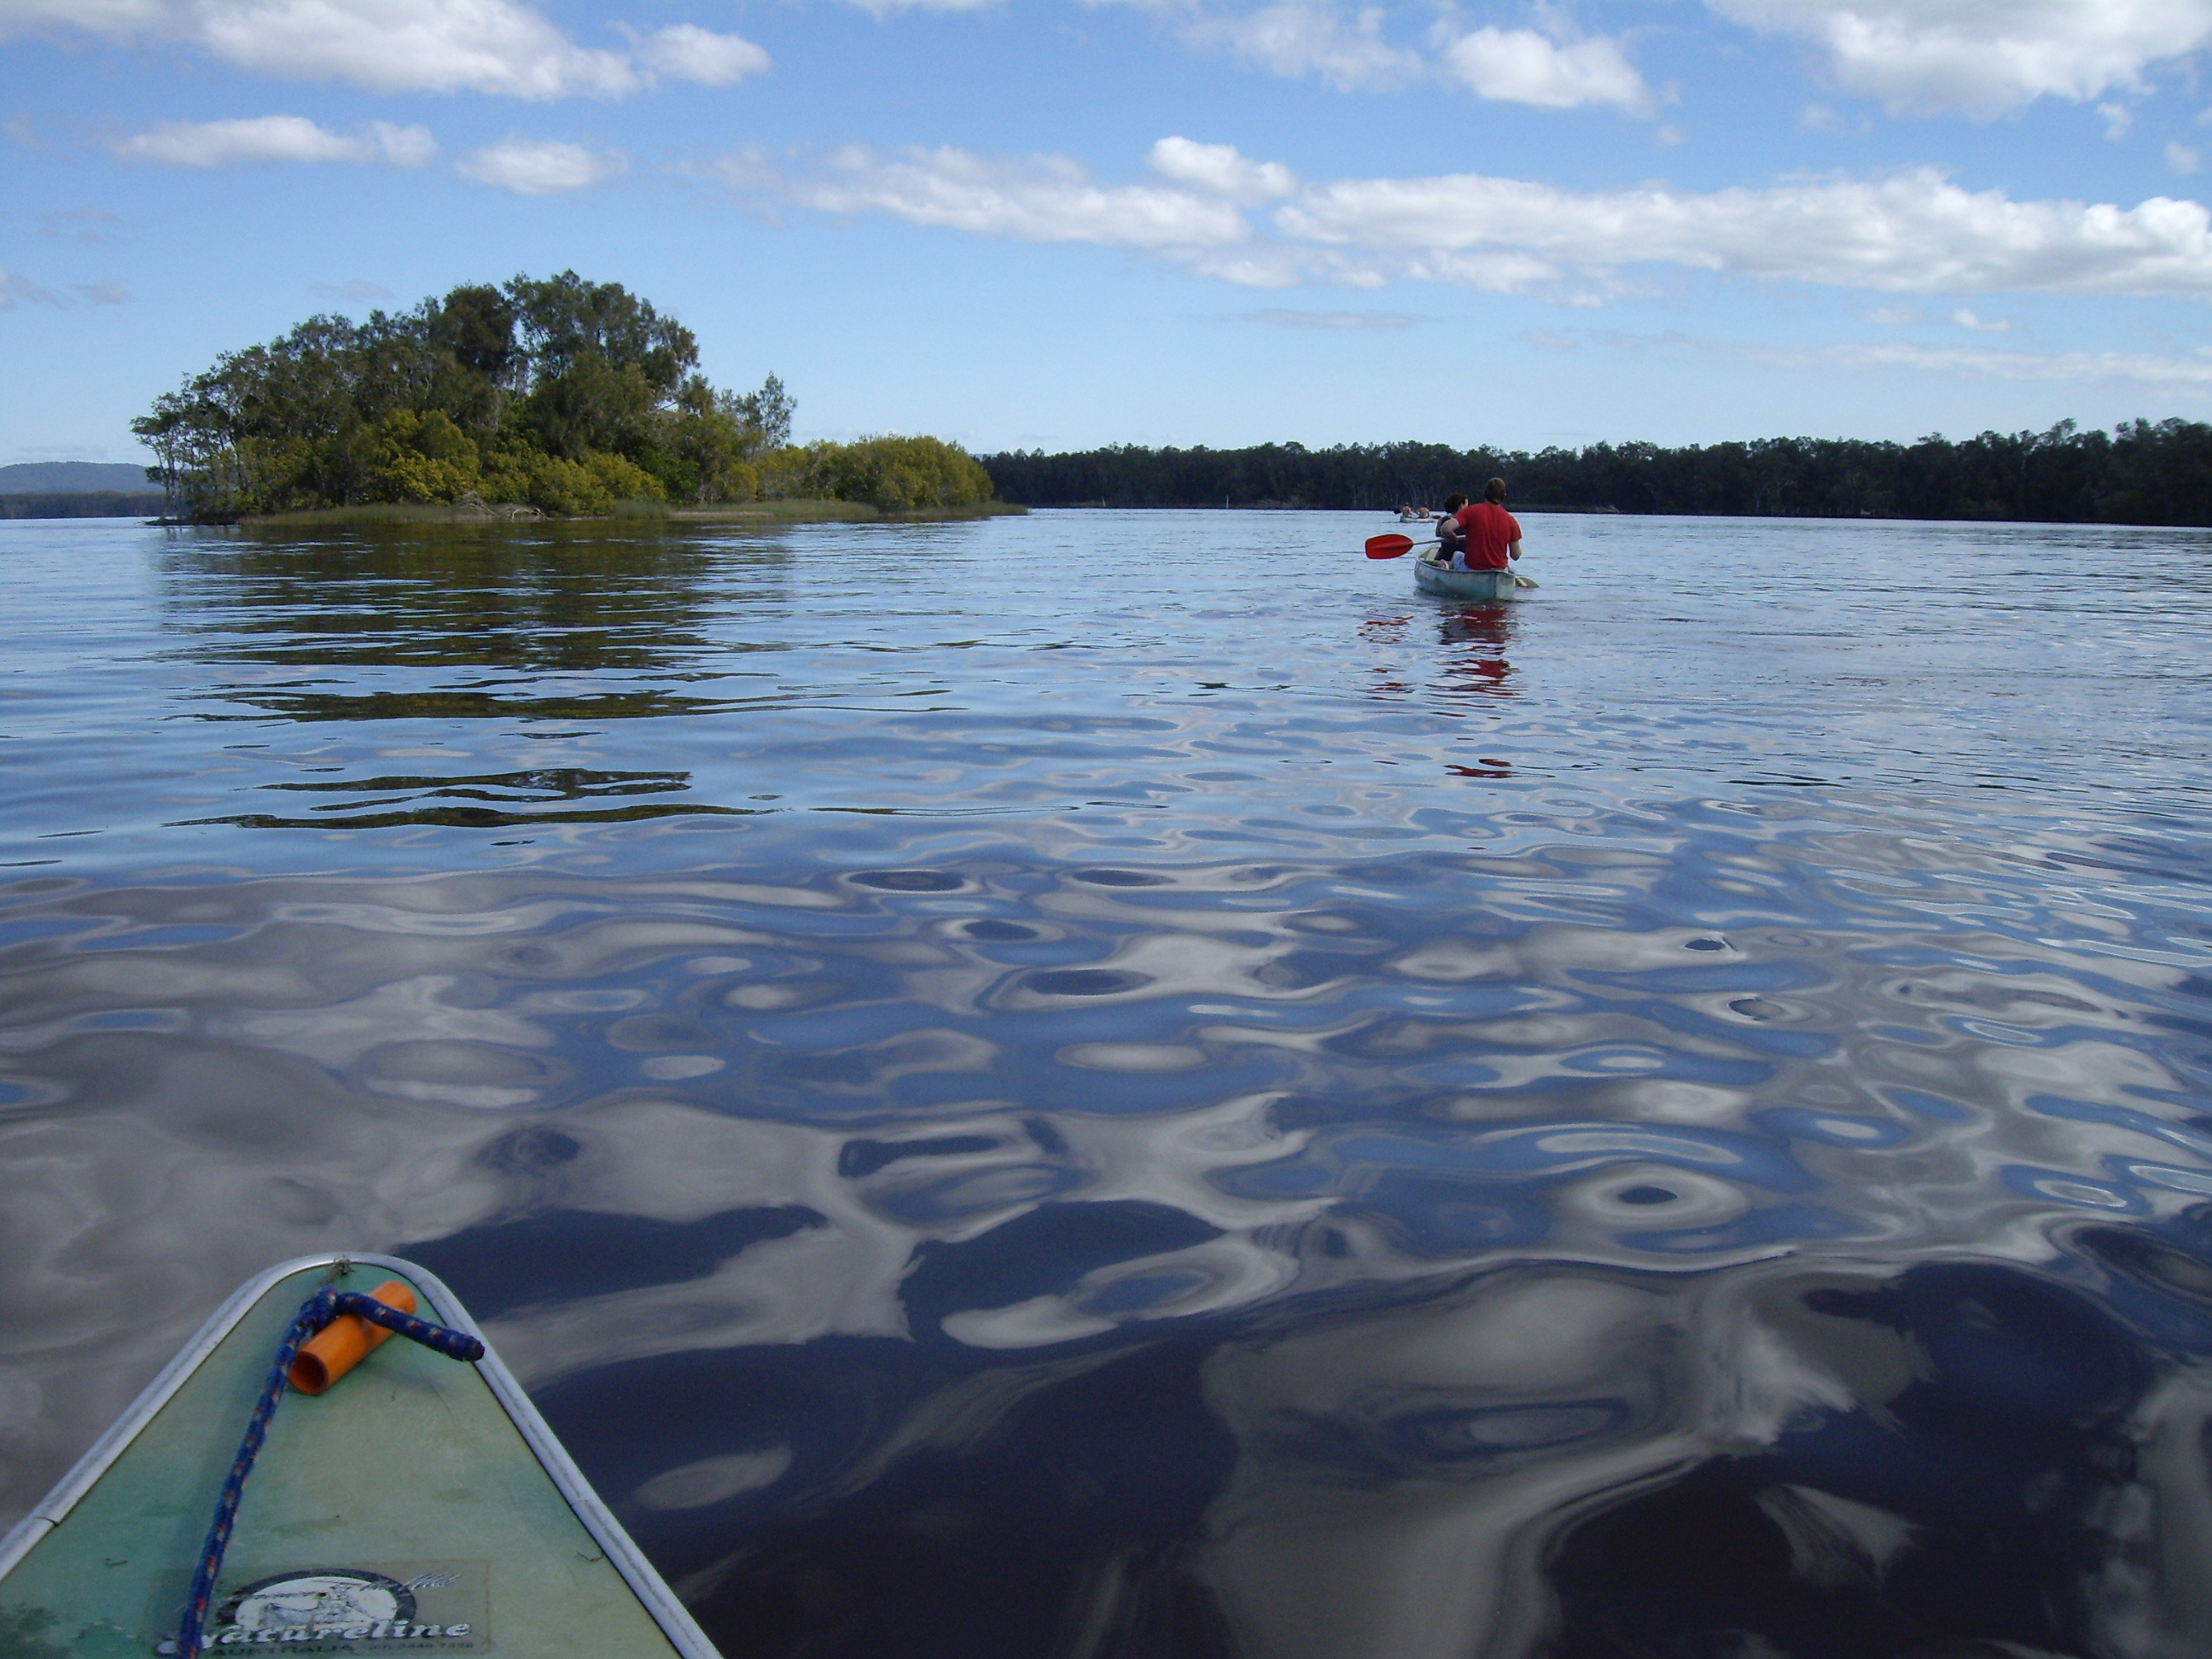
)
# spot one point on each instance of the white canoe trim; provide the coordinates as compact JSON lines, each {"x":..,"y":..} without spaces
{"x":646,"y":1584}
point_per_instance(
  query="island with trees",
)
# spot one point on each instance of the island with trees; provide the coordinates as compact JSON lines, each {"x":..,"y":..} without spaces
{"x":556,"y":395}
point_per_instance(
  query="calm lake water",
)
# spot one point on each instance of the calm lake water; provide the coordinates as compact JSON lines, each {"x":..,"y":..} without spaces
{"x":1120,"y":1085}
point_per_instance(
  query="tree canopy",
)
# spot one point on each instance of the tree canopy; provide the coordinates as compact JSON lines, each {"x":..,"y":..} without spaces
{"x":896,"y":474}
{"x":563,"y":393}
{"x":2140,"y":472}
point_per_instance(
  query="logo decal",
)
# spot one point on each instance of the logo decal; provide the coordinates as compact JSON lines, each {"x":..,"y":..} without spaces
{"x":439,"y":1610}
{"x":344,"y":1597}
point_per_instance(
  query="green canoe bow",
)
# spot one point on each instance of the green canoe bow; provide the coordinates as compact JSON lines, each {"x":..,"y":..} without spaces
{"x":422,"y":1506}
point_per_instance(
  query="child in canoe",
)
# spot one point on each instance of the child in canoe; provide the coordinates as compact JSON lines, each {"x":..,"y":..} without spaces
{"x":1451,"y":539}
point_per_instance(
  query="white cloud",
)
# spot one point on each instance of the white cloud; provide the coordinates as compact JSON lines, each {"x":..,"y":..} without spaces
{"x":2181,"y":158}
{"x":1044,"y":198}
{"x":2189,"y":372}
{"x":76,"y":224}
{"x":498,"y":47}
{"x":275,"y":138}
{"x":1894,"y":316}
{"x":1965,"y":319}
{"x":1912,"y":233}
{"x":884,"y":7}
{"x":1365,"y":322}
{"x":1292,"y":38}
{"x":1220,"y":170}
{"x":2140,"y":368}
{"x":411,"y":45}
{"x":530,"y":167}
{"x":16,"y":290}
{"x":21,"y":290}
{"x":684,"y":51}
{"x":1346,"y":47}
{"x":1982,"y":58}
{"x":1520,"y":66}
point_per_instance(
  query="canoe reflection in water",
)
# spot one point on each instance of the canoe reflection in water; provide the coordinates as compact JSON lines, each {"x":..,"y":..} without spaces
{"x":1476,"y":638}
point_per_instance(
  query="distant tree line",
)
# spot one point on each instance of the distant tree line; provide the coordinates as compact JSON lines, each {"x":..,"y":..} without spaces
{"x":564,"y":394}
{"x":79,"y":504}
{"x":2142,"y":473}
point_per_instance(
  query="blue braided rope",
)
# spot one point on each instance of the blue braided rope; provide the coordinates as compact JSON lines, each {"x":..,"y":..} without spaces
{"x":319,"y":1309}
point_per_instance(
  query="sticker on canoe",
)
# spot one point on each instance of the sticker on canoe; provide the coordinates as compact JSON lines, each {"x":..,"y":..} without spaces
{"x":392,"y":1607}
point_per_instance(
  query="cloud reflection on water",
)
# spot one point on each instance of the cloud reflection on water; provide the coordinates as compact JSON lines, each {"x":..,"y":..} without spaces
{"x":218,"y":1074}
{"x":1102,"y":1158}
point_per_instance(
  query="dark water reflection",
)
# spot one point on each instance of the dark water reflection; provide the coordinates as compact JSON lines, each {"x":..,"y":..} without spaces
{"x":1054,"y":1089}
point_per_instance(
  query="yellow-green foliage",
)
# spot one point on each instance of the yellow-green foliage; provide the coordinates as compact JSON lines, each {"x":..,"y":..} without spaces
{"x":784,"y":475}
{"x":277,"y":472}
{"x":896,"y":475}
{"x":623,"y":480}
{"x":733,"y":480}
{"x":423,"y":457}
{"x":703,"y":444}
{"x":591,"y":484}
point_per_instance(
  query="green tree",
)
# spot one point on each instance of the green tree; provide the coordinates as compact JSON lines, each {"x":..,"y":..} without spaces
{"x":894,"y":474}
{"x":479,"y":390}
{"x":598,"y":362}
{"x":767,"y":413}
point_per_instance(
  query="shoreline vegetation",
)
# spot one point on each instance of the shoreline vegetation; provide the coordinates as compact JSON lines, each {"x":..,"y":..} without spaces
{"x":800,"y":510}
{"x":2139,"y":473}
{"x":559,"y":399}
{"x":81,"y":504}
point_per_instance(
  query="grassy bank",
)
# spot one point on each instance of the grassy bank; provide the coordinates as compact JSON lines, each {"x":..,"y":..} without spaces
{"x":761,"y":513}
{"x":821,"y":512}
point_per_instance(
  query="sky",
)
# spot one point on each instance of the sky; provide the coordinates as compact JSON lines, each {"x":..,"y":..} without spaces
{"x":1062,"y":223}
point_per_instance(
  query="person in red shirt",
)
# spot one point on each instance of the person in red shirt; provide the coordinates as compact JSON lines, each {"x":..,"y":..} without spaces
{"x":1492,"y":535}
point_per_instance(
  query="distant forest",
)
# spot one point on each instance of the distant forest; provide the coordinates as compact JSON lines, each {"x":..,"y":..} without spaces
{"x":2139,"y":473}
{"x":81,"y":504}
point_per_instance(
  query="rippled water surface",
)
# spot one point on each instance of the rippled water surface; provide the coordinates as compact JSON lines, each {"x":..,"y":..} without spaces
{"x":1121,"y":1086}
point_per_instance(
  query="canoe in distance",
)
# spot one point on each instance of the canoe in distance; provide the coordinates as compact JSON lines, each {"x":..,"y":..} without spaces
{"x":1482,"y":586}
{"x":421,"y":1506}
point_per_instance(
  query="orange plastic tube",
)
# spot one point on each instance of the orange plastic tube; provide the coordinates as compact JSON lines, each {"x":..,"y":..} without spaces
{"x":346,"y":1341}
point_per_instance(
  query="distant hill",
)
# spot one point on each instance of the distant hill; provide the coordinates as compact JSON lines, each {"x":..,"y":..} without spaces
{"x":71,"y":478}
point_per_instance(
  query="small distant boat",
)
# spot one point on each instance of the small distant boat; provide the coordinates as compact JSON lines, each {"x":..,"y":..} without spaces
{"x":1483,"y":587}
{"x":420,"y":1506}
{"x":1418,"y":518}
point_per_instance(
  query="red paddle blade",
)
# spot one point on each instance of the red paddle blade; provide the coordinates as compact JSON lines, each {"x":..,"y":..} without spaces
{"x":1389,"y":547}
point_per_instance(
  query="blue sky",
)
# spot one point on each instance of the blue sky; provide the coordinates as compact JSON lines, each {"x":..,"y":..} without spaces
{"x":1059,"y":223}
